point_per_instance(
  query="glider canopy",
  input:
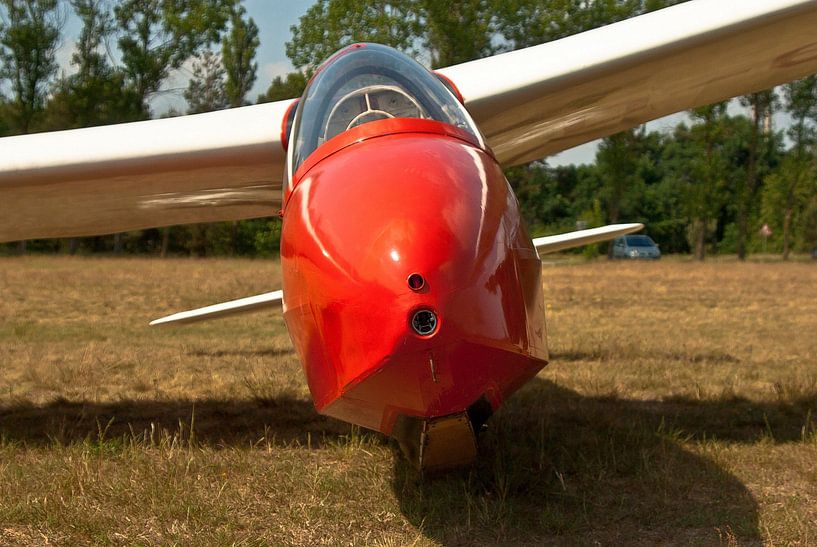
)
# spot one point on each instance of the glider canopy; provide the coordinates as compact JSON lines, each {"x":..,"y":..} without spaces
{"x":368,"y":82}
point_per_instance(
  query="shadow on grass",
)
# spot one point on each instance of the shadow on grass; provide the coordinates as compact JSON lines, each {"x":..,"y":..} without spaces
{"x":270,"y":352}
{"x":281,"y":421}
{"x":555,"y":466}
{"x":559,"y":467}
{"x":604,"y":354}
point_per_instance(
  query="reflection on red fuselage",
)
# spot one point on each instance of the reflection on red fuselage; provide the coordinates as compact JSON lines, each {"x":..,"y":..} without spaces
{"x":368,"y":209}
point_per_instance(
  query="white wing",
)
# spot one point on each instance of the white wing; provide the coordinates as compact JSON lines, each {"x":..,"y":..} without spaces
{"x":529,"y":103}
{"x":223,"y":165}
{"x":560,"y":242}
{"x":242,"y":305}
{"x":541,"y":100}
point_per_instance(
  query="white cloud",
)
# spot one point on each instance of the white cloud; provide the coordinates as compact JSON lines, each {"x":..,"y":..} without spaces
{"x":63,"y":57}
{"x":266,"y":73}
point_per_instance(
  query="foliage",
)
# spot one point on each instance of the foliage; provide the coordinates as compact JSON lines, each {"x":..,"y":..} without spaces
{"x":790,"y":192}
{"x":525,"y":23}
{"x":456,"y":32}
{"x":29,"y":37}
{"x":238,"y":53}
{"x":96,"y":94}
{"x":206,"y":90}
{"x":160,"y":35}
{"x":706,"y":183}
{"x":762,"y":154}
{"x":282,"y":88}
{"x":618,"y":160}
{"x":788,"y":204}
{"x":5,"y":116}
{"x":329,"y":25}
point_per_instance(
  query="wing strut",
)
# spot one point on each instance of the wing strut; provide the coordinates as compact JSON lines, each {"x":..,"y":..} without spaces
{"x":242,"y":305}
{"x":560,"y":242}
{"x":547,"y":244}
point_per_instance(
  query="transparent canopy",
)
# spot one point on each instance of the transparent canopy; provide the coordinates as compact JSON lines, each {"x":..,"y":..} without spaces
{"x":367,"y":83}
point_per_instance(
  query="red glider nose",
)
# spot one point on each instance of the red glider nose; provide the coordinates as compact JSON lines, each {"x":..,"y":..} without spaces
{"x":416,"y":289}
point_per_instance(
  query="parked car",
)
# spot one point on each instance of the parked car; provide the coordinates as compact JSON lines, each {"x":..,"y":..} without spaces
{"x":635,"y":246}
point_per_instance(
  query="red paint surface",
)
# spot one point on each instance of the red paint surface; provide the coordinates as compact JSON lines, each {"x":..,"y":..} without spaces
{"x":366,"y":210}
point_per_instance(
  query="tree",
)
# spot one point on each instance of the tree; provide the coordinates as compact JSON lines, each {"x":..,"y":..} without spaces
{"x":206,"y":91}
{"x":284,"y":88}
{"x":29,"y":37}
{"x":5,"y":128}
{"x":456,"y":32}
{"x":96,"y":94}
{"x":330,"y":25}
{"x":160,"y":35}
{"x":526,"y":23}
{"x":237,"y":52}
{"x":696,"y":163}
{"x":761,"y":105}
{"x":618,"y":159}
{"x":786,"y":193}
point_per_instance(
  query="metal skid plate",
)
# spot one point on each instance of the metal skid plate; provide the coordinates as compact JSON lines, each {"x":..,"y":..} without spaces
{"x":447,"y":442}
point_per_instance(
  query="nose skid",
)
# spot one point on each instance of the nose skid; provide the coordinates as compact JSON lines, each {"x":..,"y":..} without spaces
{"x":438,"y":443}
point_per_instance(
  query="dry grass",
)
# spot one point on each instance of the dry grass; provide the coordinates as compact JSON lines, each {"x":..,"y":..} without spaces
{"x":681,"y":407}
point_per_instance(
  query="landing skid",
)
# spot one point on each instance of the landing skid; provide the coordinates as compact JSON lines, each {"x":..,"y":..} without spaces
{"x":442,"y":443}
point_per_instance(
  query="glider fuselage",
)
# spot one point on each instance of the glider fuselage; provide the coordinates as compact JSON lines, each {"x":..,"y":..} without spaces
{"x":395,"y":222}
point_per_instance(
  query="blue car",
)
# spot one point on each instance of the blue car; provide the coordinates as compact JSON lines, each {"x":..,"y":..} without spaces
{"x":635,"y":246}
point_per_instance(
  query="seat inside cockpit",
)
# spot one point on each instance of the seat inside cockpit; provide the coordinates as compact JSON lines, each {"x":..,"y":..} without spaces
{"x":370,"y":103}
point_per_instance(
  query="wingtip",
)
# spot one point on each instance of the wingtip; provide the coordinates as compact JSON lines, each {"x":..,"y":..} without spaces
{"x":242,"y":305}
{"x":160,"y":321}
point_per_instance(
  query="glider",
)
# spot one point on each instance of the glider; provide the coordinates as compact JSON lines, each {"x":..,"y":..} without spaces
{"x":411,"y":289}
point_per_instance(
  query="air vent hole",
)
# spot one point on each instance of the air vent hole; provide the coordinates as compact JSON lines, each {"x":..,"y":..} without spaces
{"x":416,"y":282}
{"x":424,"y":322}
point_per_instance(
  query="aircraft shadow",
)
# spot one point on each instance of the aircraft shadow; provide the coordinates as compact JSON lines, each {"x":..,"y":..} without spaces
{"x":555,"y":466}
{"x":559,"y":467}
{"x":282,"y":421}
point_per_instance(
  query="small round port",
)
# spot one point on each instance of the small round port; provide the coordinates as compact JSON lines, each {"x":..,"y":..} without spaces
{"x":416,"y":282}
{"x":424,"y":322}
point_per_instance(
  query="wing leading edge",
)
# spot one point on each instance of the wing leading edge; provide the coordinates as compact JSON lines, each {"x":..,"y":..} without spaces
{"x":529,"y":103}
{"x":560,"y":242}
{"x":250,"y":304}
{"x":233,"y":307}
{"x":224,"y":165}
{"x":541,"y":100}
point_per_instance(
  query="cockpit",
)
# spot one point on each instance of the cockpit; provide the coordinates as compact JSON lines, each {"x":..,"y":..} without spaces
{"x":370,"y":103}
{"x":366,"y":83}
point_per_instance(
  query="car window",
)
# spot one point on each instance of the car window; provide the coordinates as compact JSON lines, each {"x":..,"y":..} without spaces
{"x":640,"y":241}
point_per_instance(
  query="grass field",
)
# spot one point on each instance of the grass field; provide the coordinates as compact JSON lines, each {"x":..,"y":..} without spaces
{"x":680,"y":407}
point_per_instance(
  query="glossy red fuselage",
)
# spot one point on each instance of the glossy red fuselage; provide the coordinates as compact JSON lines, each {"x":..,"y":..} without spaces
{"x":373,"y":206}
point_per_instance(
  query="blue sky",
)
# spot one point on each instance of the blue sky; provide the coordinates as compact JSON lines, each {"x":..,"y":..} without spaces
{"x":273,"y":17}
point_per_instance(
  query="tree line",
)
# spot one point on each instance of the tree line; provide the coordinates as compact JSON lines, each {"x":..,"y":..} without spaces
{"x":712,"y":184}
